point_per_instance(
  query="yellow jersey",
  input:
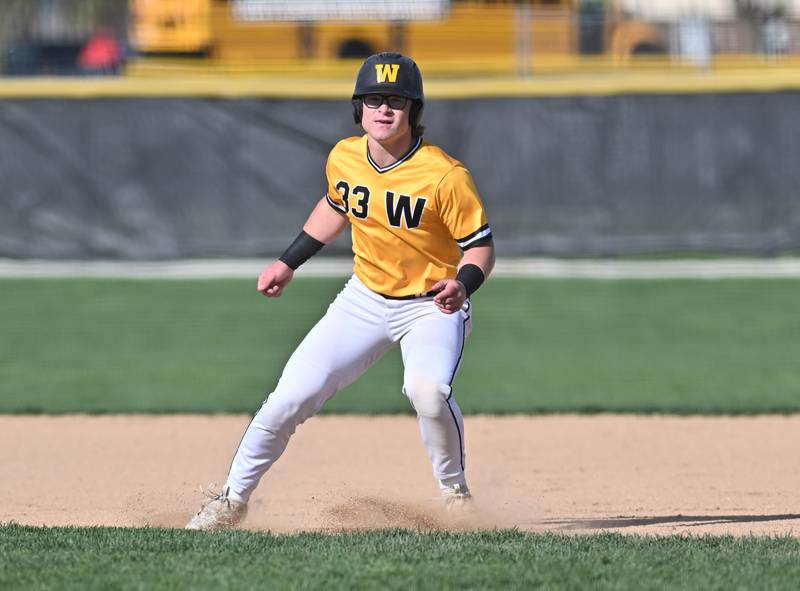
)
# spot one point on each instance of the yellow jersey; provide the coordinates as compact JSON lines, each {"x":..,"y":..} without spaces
{"x":410,"y":220}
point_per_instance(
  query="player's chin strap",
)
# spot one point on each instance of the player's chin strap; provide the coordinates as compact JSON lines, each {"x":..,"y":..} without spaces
{"x":471,"y":277}
{"x":303,"y":248}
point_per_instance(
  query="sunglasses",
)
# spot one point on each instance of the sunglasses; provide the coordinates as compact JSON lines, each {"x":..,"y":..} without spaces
{"x":373,"y":101}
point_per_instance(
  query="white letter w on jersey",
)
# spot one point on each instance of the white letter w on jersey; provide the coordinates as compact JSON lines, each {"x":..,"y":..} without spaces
{"x":402,"y":209}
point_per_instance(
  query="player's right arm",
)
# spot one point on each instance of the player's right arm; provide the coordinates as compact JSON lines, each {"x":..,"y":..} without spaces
{"x":323,"y":226}
{"x":325,"y":223}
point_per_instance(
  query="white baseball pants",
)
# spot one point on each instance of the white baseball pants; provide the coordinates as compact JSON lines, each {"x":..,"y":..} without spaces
{"x":360,"y":326}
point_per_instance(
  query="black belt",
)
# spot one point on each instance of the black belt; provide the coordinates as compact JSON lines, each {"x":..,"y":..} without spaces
{"x":430,"y":294}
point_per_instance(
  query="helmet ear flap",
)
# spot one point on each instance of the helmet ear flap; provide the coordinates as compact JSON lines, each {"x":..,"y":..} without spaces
{"x":415,"y":118}
{"x":416,"y":113}
{"x":358,"y":110}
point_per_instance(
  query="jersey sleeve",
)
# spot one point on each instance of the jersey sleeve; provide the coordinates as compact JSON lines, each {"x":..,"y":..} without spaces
{"x":461,"y":209}
{"x":332,"y":196}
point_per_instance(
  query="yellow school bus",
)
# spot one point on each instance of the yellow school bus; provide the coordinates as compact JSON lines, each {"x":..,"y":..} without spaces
{"x":179,"y":27}
{"x":473,"y":33}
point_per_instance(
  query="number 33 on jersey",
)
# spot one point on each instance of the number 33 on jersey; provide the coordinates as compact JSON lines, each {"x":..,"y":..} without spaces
{"x":425,"y":203}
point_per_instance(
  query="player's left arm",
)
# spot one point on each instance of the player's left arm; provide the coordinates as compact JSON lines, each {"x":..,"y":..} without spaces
{"x":480,"y":256}
{"x":460,"y":208}
{"x":475,"y":266}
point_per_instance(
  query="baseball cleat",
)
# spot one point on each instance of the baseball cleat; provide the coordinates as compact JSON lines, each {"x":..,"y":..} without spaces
{"x":457,"y":498}
{"x":219,"y":512}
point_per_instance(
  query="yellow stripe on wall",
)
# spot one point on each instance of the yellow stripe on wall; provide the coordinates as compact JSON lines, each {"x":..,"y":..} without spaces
{"x":270,"y":86}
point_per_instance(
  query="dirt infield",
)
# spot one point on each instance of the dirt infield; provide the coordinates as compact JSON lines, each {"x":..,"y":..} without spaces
{"x":632,"y":474}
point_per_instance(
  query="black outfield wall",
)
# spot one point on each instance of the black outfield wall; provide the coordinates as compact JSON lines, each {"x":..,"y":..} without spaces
{"x":579,"y":175}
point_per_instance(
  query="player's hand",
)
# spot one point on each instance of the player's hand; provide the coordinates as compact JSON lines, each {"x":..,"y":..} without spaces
{"x":452,"y":295}
{"x":274,"y":278}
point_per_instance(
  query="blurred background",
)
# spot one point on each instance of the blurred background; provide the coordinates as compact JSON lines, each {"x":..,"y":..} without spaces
{"x":448,"y":37}
{"x":158,"y":129}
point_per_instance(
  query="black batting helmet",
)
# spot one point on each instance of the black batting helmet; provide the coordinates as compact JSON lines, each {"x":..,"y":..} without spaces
{"x":391,"y":73}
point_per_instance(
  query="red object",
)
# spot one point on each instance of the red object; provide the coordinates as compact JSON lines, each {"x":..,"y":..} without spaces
{"x":101,"y":52}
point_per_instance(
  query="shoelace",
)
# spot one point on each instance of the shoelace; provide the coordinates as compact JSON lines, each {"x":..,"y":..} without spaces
{"x":457,"y":492}
{"x":212,"y":496}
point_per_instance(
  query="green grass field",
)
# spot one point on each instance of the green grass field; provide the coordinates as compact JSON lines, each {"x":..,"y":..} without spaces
{"x":726,"y":346}
{"x":106,"y":558}
{"x":538,"y":346}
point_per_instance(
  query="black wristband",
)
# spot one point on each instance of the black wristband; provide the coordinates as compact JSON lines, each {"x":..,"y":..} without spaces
{"x":303,"y":248}
{"x":471,"y":276}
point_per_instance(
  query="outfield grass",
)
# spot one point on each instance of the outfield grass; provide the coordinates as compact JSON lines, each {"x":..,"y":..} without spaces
{"x":108,"y":558}
{"x":539,"y":345}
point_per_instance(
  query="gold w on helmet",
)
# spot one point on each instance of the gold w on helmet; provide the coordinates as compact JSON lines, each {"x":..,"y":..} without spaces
{"x":385,"y":71}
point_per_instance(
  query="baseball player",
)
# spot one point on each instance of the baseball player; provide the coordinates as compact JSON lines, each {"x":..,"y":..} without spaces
{"x":422,"y":246}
